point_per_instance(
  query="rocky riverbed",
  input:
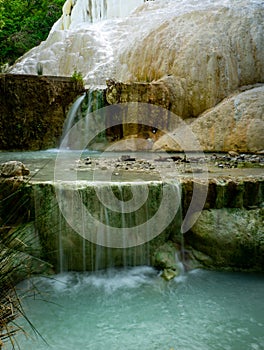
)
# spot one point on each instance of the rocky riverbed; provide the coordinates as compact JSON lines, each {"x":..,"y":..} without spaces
{"x":169,"y":165}
{"x":130,"y":166}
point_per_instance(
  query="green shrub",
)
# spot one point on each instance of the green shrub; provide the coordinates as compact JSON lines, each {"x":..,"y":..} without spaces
{"x":77,"y":76}
{"x":24,"y":24}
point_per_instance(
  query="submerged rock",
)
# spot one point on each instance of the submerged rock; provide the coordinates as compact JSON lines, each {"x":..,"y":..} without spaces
{"x":165,"y":258}
{"x":169,"y":274}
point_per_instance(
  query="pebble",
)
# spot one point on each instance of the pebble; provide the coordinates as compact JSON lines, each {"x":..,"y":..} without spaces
{"x":233,"y":153}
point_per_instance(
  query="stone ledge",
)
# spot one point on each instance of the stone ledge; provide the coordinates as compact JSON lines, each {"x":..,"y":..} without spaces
{"x":227,"y":230}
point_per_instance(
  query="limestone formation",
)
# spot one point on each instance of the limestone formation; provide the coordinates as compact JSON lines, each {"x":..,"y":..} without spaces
{"x":235,"y":124}
{"x":202,"y":50}
{"x":228,"y":232}
{"x":208,"y":50}
{"x":187,"y":57}
{"x":66,"y":13}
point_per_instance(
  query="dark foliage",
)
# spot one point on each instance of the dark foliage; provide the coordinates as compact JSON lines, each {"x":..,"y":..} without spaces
{"x":24,"y":24}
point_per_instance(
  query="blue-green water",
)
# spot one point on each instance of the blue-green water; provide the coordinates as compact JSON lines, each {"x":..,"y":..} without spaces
{"x":136,"y":309}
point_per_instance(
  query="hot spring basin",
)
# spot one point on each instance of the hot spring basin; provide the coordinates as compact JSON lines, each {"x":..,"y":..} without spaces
{"x":136,"y":309}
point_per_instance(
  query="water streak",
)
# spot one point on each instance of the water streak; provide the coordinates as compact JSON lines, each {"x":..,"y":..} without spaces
{"x":71,"y":118}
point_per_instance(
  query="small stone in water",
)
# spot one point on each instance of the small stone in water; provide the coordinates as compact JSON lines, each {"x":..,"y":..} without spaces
{"x":233,"y":153}
{"x":169,"y":274}
{"x":126,"y":158}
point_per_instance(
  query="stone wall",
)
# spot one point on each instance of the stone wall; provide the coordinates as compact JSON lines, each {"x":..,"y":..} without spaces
{"x":33,"y":110}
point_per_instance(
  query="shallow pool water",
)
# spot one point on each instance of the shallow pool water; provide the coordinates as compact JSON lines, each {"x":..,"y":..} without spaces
{"x":136,"y":309}
{"x":42,"y":164}
{"x":54,"y":164}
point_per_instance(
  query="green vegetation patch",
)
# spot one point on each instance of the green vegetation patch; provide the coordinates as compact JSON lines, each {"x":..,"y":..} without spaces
{"x":24,"y":24}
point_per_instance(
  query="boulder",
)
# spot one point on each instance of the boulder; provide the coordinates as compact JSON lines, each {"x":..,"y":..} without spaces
{"x":131,"y":144}
{"x":165,"y":258}
{"x":167,"y":143}
{"x":231,"y":238}
{"x":13,"y":168}
{"x":236,"y":124}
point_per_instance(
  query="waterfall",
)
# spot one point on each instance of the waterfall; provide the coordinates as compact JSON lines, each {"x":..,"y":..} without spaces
{"x":82,"y":108}
{"x":94,"y":225}
{"x":71,"y":117}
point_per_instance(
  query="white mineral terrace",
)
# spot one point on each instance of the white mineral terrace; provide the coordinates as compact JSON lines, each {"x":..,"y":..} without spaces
{"x":137,"y":40}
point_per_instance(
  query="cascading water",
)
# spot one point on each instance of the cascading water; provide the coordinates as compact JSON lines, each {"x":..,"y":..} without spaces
{"x":82,"y":108}
{"x":130,"y":218}
{"x":95,"y":225}
{"x":72,"y":116}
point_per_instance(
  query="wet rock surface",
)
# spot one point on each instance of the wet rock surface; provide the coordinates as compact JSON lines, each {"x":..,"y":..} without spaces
{"x":237,"y":123}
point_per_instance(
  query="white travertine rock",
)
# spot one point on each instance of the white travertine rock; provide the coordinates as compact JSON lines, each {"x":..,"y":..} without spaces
{"x":210,"y":48}
{"x":202,"y":52}
{"x":66,"y":13}
{"x":235,"y":124}
{"x":97,"y":10}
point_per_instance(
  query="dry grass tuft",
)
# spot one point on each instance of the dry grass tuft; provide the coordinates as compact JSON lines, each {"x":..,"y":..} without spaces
{"x":17,"y":254}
